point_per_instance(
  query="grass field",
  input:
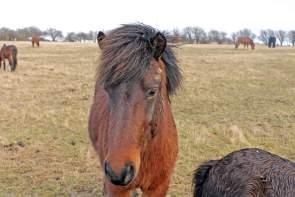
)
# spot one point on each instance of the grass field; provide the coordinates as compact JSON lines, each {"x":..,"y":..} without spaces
{"x":229,"y":99}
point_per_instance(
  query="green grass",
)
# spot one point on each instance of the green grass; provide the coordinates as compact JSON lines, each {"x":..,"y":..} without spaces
{"x":229,"y":99}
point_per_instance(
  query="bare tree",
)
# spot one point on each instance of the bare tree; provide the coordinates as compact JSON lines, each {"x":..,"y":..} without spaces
{"x":54,"y":33}
{"x":270,"y":32}
{"x":216,"y":36}
{"x":281,"y":35}
{"x":292,"y":37}
{"x":264,"y":36}
{"x":7,"y":34}
{"x":198,"y":34}
{"x":234,"y":36}
{"x":246,"y":32}
{"x":71,"y":37}
{"x":188,"y":34}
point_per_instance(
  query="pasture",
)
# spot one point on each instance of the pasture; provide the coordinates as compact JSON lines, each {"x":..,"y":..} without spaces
{"x":229,"y":99}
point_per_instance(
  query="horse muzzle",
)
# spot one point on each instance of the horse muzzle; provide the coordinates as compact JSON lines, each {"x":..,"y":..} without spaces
{"x":123,"y":178}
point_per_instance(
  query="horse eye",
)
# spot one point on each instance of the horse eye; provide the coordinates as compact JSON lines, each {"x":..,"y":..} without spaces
{"x":151,"y":92}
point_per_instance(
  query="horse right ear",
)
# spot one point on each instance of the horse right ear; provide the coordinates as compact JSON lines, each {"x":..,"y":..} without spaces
{"x":100,"y":37}
{"x":159,"y":44}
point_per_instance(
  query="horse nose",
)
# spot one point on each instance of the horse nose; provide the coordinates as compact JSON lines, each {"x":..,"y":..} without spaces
{"x":124,"y":177}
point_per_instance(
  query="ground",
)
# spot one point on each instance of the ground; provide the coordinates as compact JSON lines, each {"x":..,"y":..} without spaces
{"x":229,"y":99}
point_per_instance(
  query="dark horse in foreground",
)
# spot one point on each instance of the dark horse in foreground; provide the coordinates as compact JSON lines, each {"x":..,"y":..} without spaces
{"x":131,"y":125}
{"x":246,"y":41}
{"x":246,"y":173}
{"x":8,"y":52}
{"x":35,"y":40}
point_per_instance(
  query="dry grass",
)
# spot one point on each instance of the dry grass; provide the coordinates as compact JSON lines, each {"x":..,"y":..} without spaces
{"x":230,"y":99}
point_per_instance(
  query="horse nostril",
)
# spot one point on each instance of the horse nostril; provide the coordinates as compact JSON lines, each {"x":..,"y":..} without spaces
{"x":128,"y":173}
{"x":123,"y":178}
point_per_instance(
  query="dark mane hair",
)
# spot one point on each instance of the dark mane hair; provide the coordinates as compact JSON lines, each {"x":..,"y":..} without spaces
{"x":127,"y":53}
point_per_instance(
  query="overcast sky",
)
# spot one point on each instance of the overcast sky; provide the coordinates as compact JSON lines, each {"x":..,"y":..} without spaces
{"x":85,"y":15}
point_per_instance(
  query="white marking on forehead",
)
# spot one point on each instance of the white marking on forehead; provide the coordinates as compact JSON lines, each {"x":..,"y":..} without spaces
{"x":158,"y":77}
{"x":159,"y":70}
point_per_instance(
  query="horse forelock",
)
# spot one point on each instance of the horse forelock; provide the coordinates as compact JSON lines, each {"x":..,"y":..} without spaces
{"x":127,"y":54}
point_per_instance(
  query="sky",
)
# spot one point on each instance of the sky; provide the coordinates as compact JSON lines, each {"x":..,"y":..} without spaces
{"x":86,"y":15}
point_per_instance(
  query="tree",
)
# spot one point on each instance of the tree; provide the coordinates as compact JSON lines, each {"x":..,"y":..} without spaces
{"x":7,"y":34}
{"x":281,"y":35}
{"x":198,"y":34}
{"x":292,"y":37}
{"x":264,"y":36}
{"x":82,"y":36}
{"x":270,"y":32}
{"x":234,"y":36}
{"x":188,"y":34}
{"x":246,"y":32}
{"x":27,"y":32}
{"x":71,"y":37}
{"x":54,"y":33}
{"x":216,"y":36}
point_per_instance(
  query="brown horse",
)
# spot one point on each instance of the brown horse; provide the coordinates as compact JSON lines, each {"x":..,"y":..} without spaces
{"x":131,"y":125}
{"x":8,"y":52}
{"x":247,"y":172}
{"x":246,"y":41}
{"x":35,"y":40}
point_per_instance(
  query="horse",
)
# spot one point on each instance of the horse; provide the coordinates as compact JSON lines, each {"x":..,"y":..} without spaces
{"x":272,"y":42}
{"x":246,"y":172}
{"x":246,"y":41}
{"x":35,"y":40}
{"x":131,"y":125}
{"x":8,"y":52}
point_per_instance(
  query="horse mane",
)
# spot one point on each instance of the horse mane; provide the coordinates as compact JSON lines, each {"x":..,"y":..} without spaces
{"x":127,"y":53}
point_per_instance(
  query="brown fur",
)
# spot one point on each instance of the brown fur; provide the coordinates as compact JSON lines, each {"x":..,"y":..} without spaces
{"x":35,"y":40}
{"x":8,"y":52}
{"x":125,"y":123}
{"x":246,"y":41}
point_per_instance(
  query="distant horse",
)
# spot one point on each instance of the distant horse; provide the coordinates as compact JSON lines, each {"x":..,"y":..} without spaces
{"x":246,"y":41}
{"x":247,"y":173}
{"x":131,"y":125}
{"x":8,"y":52}
{"x":35,"y":40}
{"x":272,"y":42}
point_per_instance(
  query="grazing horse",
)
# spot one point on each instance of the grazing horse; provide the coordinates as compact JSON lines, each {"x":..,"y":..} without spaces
{"x":246,"y":41}
{"x":8,"y":52}
{"x":247,"y":173}
{"x":272,"y":42}
{"x":35,"y":40}
{"x":131,"y":125}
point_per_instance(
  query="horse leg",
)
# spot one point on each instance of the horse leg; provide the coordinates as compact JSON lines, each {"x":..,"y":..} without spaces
{"x":159,"y":191}
{"x":4,"y":65}
{"x":111,"y":191}
{"x":11,"y":63}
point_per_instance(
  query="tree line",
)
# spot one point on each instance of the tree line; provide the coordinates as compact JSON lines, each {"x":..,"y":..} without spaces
{"x":190,"y":34}
{"x":199,"y":36}
{"x":54,"y":34}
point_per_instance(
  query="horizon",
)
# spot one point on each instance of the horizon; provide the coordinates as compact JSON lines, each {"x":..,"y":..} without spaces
{"x":90,"y":15}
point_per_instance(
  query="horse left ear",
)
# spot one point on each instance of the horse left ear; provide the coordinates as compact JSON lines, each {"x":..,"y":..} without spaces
{"x":100,"y":37}
{"x":159,"y":44}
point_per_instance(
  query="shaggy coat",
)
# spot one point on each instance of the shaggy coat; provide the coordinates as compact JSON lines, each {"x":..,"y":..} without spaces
{"x":131,"y":125}
{"x":246,"y":173}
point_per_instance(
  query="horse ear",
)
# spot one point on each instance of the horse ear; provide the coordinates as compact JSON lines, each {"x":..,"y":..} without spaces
{"x":100,"y":37}
{"x":159,"y":44}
